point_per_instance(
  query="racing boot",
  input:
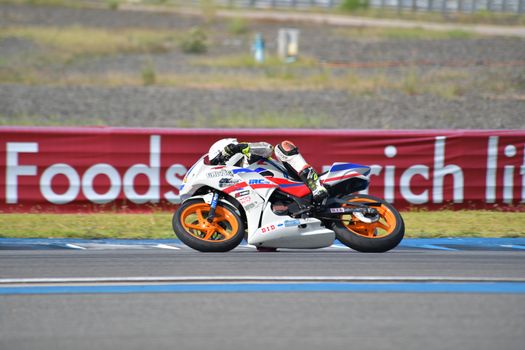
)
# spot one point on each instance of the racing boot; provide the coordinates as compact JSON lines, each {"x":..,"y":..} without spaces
{"x":311,"y":179}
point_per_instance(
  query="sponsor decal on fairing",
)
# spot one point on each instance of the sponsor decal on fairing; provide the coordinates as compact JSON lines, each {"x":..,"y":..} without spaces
{"x":219,"y":173}
{"x":242,"y":193}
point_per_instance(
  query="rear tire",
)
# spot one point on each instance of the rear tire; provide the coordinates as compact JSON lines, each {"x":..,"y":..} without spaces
{"x":224,"y":233}
{"x":376,"y":237}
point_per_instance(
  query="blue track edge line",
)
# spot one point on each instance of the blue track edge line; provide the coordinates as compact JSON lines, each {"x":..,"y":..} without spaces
{"x":445,"y":244}
{"x":347,"y":287}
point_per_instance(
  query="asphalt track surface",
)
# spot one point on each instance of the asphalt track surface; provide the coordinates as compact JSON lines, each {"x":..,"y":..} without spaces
{"x":278,"y":318}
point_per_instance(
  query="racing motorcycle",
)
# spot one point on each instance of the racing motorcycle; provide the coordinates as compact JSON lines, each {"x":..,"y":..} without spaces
{"x":270,"y":208}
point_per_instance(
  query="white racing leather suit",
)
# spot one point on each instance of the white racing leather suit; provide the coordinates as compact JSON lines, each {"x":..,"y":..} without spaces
{"x":285,"y":151}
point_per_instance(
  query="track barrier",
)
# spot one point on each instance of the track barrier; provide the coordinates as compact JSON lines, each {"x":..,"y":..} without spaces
{"x":140,"y":169}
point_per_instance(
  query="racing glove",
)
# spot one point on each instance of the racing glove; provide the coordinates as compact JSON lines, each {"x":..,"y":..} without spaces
{"x":233,"y":148}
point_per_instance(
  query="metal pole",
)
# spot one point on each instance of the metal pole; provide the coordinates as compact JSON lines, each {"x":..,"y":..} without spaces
{"x":504,"y":6}
{"x":489,"y":5}
{"x":414,"y":5}
{"x":460,"y":6}
{"x":521,"y":6}
{"x":430,"y":5}
{"x":399,"y":6}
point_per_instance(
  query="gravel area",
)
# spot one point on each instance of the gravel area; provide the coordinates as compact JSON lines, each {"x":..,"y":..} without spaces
{"x":176,"y":107}
{"x":172,"y":107}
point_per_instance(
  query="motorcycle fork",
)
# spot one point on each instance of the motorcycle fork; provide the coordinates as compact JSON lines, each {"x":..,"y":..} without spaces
{"x":213,"y":205}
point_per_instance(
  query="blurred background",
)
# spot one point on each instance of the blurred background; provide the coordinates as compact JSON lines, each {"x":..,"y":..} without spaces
{"x":339,"y":64}
{"x":314,"y":64}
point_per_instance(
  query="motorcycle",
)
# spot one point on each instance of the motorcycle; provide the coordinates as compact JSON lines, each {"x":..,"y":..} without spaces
{"x":270,"y":208}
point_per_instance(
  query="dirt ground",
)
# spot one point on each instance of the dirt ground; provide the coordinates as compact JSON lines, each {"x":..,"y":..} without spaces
{"x":469,"y":82}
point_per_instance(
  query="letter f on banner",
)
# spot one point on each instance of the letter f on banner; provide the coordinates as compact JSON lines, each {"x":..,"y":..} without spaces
{"x":14,"y":170}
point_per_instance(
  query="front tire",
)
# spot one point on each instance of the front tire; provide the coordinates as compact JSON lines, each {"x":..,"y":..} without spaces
{"x":224,"y":233}
{"x":374,"y":237}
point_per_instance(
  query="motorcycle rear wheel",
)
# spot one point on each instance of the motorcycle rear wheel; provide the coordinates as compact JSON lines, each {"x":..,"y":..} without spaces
{"x":375,"y":237}
{"x":191,"y":226}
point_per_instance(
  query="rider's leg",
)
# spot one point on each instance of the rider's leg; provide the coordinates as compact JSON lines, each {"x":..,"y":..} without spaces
{"x":289,"y":154}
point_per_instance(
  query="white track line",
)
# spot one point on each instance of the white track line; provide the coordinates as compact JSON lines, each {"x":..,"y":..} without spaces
{"x":74,"y":246}
{"x":256,"y":279}
{"x":166,"y":246}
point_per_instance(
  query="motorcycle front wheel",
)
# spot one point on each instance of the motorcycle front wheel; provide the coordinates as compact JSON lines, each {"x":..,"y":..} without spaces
{"x":222,"y":234}
{"x":377,"y":236}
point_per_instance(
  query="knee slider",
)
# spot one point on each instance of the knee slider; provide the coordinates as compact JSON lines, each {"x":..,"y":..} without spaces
{"x":288,"y":148}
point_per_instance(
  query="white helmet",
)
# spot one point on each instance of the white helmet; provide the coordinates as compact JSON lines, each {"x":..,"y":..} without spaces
{"x":217,"y":148}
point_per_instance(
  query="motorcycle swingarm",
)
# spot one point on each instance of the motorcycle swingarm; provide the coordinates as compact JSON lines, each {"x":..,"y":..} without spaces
{"x":339,"y":211}
{"x":356,"y":204}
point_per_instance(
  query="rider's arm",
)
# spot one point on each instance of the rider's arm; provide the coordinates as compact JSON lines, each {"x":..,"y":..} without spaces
{"x":261,"y":149}
{"x":233,"y":148}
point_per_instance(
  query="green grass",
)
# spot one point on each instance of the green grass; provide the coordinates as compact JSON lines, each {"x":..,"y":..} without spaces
{"x":68,"y":43}
{"x":238,"y":26}
{"x":445,"y":83}
{"x":158,"y":225}
{"x":94,"y":41}
{"x":89,"y":226}
{"x":464,"y":223}
{"x":284,"y":119}
{"x":58,"y":47}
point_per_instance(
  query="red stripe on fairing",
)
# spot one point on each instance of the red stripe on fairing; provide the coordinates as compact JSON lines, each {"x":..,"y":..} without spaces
{"x":263,"y":186}
{"x":294,"y":188}
{"x":340,"y":177}
{"x":235,"y":187}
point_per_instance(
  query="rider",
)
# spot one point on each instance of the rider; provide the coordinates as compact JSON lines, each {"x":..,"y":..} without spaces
{"x":286,"y":152}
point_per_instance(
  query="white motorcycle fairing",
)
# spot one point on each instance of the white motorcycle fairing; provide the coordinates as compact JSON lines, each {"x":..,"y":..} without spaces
{"x":252,"y":191}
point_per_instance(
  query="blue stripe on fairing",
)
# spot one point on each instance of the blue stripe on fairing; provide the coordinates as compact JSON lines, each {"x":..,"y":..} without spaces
{"x":407,"y":287}
{"x":242,"y":170}
{"x":290,"y":185}
{"x":346,"y":166}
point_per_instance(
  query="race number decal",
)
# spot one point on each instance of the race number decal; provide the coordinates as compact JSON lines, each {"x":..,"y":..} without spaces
{"x":268,"y":229}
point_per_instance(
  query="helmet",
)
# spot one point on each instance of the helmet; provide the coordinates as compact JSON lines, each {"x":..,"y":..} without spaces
{"x":217,"y":148}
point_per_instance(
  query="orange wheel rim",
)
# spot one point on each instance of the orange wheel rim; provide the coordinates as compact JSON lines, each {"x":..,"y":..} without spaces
{"x":381,"y":228}
{"x":223,"y":227}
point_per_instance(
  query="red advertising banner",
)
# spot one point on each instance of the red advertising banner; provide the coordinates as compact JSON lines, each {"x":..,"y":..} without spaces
{"x":132,"y":169}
